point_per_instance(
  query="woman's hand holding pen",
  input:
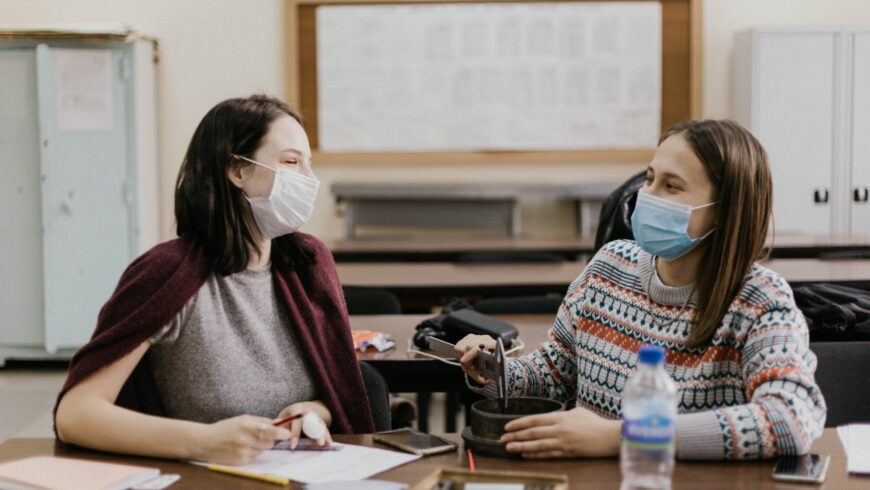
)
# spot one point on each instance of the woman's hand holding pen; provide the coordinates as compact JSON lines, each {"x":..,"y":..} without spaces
{"x":238,"y":440}
{"x":295,"y":425}
{"x":466,"y":351}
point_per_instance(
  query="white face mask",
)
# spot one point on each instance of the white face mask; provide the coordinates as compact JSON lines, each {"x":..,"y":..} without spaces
{"x":289,"y":204}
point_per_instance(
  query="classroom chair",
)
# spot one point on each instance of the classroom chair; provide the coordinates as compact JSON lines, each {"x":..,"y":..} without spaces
{"x":379,"y":396}
{"x":843,"y":374}
{"x":614,"y":220}
{"x":370,"y":301}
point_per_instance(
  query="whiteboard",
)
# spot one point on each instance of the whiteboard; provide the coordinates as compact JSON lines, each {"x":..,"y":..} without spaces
{"x":515,"y":76}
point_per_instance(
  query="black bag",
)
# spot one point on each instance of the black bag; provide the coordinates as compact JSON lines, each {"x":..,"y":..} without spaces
{"x":614,"y":221}
{"x":834,"y":312}
{"x":459,"y":319}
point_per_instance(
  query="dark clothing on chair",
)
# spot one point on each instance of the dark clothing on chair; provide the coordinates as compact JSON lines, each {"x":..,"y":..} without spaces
{"x":614,"y":221}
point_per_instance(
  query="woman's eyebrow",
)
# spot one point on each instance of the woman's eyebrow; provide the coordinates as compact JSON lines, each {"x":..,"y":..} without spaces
{"x":292,"y":150}
{"x":671,"y":175}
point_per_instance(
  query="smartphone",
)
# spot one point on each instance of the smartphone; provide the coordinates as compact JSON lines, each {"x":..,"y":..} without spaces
{"x":810,"y":468}
{"x":414,"y":441}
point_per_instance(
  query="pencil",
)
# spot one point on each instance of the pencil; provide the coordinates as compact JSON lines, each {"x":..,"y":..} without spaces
{"x":278,"y":480}
{"x":470,"y":461}
{"x":287,"y":419}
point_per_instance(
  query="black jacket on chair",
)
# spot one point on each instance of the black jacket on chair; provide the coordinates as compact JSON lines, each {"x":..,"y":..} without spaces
{"x":614,"y":222}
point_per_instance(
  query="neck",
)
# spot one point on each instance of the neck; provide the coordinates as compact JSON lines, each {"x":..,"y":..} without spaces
{"x":265,"y":256}
{"x":680,"y":271}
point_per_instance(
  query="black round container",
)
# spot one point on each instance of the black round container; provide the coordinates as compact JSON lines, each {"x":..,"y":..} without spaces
{"x":488,"y":419}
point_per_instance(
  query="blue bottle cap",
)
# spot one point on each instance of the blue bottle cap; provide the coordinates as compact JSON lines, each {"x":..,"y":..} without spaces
{"x":652,"y":354}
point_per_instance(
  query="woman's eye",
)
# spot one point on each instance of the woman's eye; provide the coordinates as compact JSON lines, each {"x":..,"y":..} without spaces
{"x":672,"y":187}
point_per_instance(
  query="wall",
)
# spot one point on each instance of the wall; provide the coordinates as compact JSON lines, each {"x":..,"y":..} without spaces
{"x":211,"y":50}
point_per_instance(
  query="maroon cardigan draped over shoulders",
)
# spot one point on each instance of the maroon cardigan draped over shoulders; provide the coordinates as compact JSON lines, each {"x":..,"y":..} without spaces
{"x":159,"y":283}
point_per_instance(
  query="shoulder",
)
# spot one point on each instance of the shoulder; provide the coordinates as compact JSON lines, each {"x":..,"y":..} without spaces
{"x":317,"y":246}
{"x":167,"y":255}
{"x":766,"y":289}
{"x":616,"y":262}
{"x":618,"y":255}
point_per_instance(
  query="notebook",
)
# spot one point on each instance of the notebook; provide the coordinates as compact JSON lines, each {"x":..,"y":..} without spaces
{"x":52,"y":473}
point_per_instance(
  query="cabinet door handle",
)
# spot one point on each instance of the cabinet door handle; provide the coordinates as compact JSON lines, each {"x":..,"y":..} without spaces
{"x":820,"y":195}
{"x":861,"y":194}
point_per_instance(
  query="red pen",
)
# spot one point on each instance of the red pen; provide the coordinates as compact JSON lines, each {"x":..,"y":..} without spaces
{"x":287,"y":419}
{"x":470,"y":460}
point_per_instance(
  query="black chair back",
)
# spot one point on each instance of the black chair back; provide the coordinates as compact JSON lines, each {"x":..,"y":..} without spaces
{"x":843,"y":374}
{"x":371,"y":301}
{"x":521,"y":305}
{"x":379,"y":396}
{"x":614,"y":221}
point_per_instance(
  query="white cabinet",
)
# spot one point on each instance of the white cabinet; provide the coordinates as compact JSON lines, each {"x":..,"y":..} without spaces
{"x":805,"y":93}
{"x":78,"y":197}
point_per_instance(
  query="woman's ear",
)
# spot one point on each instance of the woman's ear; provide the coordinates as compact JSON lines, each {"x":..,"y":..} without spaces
{"x":236,"y":175}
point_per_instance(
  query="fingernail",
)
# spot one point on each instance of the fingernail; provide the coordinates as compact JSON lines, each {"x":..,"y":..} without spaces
{"x":293,"y":443}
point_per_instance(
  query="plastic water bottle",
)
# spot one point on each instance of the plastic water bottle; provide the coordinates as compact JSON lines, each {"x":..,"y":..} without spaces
{"x":649,"y":412}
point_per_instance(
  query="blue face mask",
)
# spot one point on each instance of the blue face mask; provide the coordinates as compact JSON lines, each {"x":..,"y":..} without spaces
{"x":661,"y":227}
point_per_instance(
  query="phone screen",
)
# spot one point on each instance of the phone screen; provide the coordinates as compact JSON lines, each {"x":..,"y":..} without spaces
{"x":411,"y":439}
{"x":810,"y":467}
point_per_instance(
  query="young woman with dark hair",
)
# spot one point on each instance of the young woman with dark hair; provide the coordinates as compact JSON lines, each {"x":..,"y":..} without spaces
{"x":211,"y":337}
{"x":736,"y":344}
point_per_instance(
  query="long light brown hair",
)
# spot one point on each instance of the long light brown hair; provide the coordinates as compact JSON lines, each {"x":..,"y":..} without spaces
{"x":737,"y":165}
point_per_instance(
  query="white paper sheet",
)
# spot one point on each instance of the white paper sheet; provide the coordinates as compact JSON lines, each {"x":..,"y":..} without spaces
{"x":856,"y":441}
{"x":349,"y":463}
{"x":83,"y":89}
{"x":489,"y":76}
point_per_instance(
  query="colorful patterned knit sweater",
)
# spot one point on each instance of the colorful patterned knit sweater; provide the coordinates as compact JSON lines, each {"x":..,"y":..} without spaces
{"x":749,"y":393}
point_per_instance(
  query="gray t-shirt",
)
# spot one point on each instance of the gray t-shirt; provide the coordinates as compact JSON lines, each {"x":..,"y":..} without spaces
{"x":230,"y":351}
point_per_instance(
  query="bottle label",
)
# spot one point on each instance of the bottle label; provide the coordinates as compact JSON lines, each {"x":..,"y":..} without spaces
{"x":652,"y":434}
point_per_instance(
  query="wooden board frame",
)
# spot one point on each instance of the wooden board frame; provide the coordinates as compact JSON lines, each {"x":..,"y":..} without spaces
{"x":681,"y":87}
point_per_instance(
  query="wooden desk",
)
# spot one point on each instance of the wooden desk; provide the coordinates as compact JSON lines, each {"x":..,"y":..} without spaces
{"x":422,"y":285}
{"x":439,"y":249}
{"x":406,"y":372}
{"x":582,"y":473}
{"x":450,"y":249}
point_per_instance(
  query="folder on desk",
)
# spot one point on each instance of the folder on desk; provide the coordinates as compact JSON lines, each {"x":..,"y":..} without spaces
{"x":53,"y":473}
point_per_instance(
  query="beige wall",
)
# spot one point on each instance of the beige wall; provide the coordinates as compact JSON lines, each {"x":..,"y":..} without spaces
{"x":214,"y":49}
{"x":724,"y":18}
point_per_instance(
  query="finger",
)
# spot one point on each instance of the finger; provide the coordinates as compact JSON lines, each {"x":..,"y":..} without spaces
{"x":295,"y":431}
{"x":328,"y":439}
{"x":540,"y":445}
{"x":545,"y":454}
{"x":530,"y":421}
{"x":530,"y":434}
{"x":277,"y":433}
{"x":467,"y":362}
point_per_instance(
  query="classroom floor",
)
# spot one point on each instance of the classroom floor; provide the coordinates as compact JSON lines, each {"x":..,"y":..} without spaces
{"x":27,"y":397}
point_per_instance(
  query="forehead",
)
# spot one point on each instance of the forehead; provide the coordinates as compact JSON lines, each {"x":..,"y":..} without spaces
{"x":675,"y":156}
{"x":286,"y":133}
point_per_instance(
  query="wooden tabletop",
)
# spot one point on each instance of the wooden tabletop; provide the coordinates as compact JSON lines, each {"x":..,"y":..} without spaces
{"x":582,"y":473}
{"x":428,"y":247}
{"x":409,"y":275}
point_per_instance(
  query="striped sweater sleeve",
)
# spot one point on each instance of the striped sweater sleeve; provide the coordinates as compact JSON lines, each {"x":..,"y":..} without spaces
{"x":550,"y":371}
{"x":786,"y":411}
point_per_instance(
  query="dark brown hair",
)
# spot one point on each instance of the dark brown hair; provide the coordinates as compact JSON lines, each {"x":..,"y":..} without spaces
{"x":736,"y":164}
{"x":209,"y":209}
